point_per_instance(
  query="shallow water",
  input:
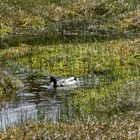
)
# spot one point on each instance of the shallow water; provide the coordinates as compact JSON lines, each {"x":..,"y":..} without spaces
{"x":36,"y":103}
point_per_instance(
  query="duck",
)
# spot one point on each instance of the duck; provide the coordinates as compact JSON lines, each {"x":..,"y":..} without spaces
{"x":69,"y":82}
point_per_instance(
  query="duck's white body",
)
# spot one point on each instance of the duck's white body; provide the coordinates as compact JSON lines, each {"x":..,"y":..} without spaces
{"x":67,"y":82}
{"x":62,"y":84}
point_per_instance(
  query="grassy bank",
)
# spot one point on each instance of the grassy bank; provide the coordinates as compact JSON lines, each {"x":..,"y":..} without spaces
{"x":112,"y":107}
{"x":67,"y":20}
{"x":118,"y":127}
{"x":119,"y":58}
{"x":79,"y":39}
{"x":115,"y":60}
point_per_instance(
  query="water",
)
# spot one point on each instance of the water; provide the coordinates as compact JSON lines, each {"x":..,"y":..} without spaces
{"x":25,"y":109}
{"x":31,"y":103}
{"x":36,"y":103}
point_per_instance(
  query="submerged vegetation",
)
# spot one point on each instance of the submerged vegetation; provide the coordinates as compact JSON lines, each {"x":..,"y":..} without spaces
{"x":97,"y":41}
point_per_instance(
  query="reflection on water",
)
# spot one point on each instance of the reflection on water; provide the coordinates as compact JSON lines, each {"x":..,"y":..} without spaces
{"x":37,"y":103}
{"x":22,"y":110}
{"x":32,"y":103}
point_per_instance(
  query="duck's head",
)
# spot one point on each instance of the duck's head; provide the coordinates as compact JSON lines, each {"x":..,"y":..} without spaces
{"x":75,"y":79}
{"x":54,"y":81}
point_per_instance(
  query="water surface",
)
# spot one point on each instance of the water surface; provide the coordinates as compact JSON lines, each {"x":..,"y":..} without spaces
{"x":36,"y":103}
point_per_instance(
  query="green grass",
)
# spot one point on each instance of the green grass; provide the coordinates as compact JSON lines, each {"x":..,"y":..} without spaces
{"x":113,"y":53}
{"x":119,"y":58}
{"x":113,"y":109}
{"x":75,"y":16}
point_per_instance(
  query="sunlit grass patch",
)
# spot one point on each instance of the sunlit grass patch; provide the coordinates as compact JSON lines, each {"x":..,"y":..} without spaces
{"x":22,"y":50}
{"x":111,"y":57}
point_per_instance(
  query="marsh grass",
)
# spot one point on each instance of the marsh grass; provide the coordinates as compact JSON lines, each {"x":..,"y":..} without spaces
{"x":113,"y":106}
{"x":101,"y":40}
{"x":122,"y":126}
{"x":118,"y":59}
{"x":115,"y":63}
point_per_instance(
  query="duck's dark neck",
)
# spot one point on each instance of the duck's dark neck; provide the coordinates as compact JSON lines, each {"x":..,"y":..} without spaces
{"x":52,"y":79}
{"x":54,"y":83}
